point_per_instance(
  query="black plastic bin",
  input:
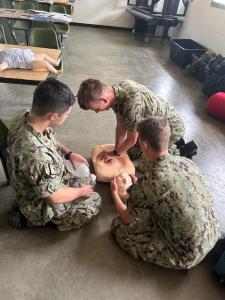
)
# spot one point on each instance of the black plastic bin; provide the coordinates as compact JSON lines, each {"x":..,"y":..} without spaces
{"x":181,"y":51}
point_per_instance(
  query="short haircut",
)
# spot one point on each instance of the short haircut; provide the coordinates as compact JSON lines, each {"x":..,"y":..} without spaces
{"x":52,"y":95}
{"x":90,"y":90}
{"x":156,"y":131}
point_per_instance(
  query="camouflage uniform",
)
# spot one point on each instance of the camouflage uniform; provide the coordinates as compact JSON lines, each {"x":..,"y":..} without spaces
{"x":174,"y":221}
{"x":136,"y":102}
{"x":37,"y":170}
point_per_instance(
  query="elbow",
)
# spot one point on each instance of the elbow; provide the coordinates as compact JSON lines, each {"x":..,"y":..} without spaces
{"x":126,"y":217}
{"x":127,"y":221}
{"x":132,"y":138}
{"x":51,"y":199}
{"x":55,"y":198}
{"x":132,"y":141}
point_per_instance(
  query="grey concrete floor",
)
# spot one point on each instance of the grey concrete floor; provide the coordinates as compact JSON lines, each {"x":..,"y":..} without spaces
{"x":42,"y":263}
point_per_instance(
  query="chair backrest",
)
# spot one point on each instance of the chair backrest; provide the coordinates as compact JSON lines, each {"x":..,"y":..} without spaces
{"x":42,"y":6}
{"x":24,"y":5}
{"x":69,"y":9}
{"x":38,"y":24}
{"x":8,"y":4}
{"x":2,"y":4}
{"x":9,"y":34}
{"x":43,"y":37}
{"x":2,"y":35}
{"x":4,"y":129}
{"x":58,"y":8}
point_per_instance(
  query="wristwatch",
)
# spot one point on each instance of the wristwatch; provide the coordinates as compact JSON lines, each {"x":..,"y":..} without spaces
{"x":115,"y":153}
{"x":68,"y":154}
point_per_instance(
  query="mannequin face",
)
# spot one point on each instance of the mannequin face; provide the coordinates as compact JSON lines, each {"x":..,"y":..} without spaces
{"x":57,"y":120}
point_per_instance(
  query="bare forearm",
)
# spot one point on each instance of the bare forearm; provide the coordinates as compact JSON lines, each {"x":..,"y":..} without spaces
{"x":120,"y":132}
{"x":122,"y":210}
{"x":64,"y":149}
{"x":65,"y":194}
{"x":129,"y":142}
{"x":125,"y":146}
{"x":120,"y":136}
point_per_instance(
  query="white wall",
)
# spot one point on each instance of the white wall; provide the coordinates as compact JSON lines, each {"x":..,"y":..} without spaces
{"x":205,"y":24}
{"x":103,"y":12}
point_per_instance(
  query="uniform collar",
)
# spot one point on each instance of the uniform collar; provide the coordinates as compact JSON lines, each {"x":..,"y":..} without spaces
{"x":119,"y":96}
{"x":31,"y":129}
{"x":160,"y":159}
{"x":153,"y":163}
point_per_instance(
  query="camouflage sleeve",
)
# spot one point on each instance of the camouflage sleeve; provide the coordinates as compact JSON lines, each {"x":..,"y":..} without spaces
{"x":44,"y":177}
{"x":137,"y":201}
{"x":133,"y":111}
{"x":55,"y":140}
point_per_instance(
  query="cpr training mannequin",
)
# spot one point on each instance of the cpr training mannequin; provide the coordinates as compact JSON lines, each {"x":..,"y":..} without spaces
{"x":106,"y":170}
{"x":18,"y":58}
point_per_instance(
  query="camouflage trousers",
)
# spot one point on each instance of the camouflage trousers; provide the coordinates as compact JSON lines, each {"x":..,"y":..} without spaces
{"x":76,"y":213}
{"x":141,"y":241}
{"x":68,"y":215}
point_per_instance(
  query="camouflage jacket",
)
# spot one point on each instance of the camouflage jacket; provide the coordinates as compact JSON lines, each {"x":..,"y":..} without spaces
{"x":173,"y":195}
{"x":136,"y":102}
{"x":36,"y":165}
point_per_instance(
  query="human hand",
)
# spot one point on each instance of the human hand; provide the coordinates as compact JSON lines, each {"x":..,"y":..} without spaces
{"x":59,"y":72}
{"x":58,"y":61}
{"x":114,"y":187}
{"x":85,"y":190}
{"x":106,"y":156}
{"x":74,"y":157}
{"x":134,"y":178}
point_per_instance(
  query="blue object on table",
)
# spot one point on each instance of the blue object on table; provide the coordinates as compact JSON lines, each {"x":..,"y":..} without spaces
{"x":33,"y":11}
{"x":41,"y":18}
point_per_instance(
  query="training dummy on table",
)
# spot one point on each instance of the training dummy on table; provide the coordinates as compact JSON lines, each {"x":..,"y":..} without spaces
{"x":18,"y":58}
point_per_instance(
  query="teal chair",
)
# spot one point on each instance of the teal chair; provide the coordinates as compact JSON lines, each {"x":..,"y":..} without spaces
{"x":4,"y":128}
{"x":43,"y":37}
{"x":42,"y":6}
{"x":8,"y":4}
{"x":38,"y":24}
{"x":20,"y":24}
{"x":69,"y":9}
{"x":2,"y":4}
{"x":9,"y":34}
{"x":2,"y":35}
{"x":61,"y":29}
